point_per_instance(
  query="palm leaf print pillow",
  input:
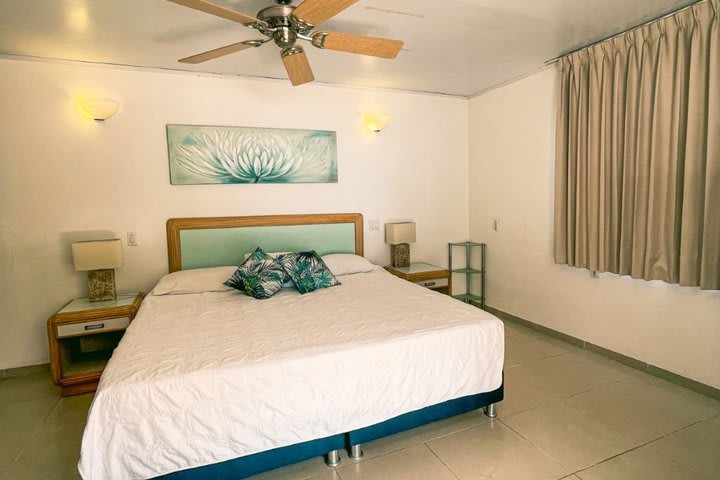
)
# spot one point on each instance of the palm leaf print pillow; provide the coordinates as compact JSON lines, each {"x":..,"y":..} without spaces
{"x":260,"y":276}
{"x":308,"y":271}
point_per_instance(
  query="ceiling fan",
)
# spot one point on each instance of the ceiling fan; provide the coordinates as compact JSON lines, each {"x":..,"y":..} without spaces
{"x":286,"y":24}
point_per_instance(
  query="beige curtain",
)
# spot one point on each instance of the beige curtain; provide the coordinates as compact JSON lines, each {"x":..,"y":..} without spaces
{"x":638,"y":152}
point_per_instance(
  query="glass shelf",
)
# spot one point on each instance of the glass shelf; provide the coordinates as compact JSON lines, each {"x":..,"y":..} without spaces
{"x":466,"y":270}
{"x":466,"y":244}
{"x":469,"y":297}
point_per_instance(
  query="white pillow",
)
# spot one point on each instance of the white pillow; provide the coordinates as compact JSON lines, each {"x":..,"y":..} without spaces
{"x":347,"y":263}
{"x":195,"y":281}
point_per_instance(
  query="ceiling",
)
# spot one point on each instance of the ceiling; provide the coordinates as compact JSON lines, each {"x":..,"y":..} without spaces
{"x":454,"y":47}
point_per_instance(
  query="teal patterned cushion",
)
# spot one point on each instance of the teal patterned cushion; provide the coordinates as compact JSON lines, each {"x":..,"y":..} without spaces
{"x":260,"y":276}
{"x":308,"y":271}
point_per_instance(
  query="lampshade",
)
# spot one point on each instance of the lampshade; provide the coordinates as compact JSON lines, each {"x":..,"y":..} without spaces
{"x":375,"y":122}
{"x":97,"y":254}
{"x":396,"y":233}
{"x":98,"y":108}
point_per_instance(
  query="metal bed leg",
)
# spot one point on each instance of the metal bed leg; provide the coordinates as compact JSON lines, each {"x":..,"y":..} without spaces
{"x":332,"y":459}
{"x":356,"y":452}
{"x":490,"y":411}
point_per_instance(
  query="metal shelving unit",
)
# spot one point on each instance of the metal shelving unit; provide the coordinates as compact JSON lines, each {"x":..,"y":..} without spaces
{"x":469,"y":271}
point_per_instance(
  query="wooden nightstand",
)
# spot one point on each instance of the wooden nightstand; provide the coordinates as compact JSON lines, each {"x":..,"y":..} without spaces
{"x":426,"y":275}
{"x":82,"y":337}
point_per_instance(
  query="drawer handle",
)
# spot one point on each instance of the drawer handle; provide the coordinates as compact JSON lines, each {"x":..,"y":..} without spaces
{"x":97,"y":326}
{"x":429,"y":284}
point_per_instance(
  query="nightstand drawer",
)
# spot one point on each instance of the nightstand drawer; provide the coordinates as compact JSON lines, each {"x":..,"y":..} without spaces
{"x":95,"y":326}
{"x":434,"y":283}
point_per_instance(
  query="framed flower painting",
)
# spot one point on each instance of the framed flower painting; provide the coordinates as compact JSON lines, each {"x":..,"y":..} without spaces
{"x":207,"y":154}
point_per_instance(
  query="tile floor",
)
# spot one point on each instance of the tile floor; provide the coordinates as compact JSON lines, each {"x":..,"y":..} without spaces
{"x":568,"y":414}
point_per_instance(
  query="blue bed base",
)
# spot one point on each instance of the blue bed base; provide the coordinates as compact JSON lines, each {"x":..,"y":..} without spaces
{"x":424,"y":416}
{"x":249,"y":465}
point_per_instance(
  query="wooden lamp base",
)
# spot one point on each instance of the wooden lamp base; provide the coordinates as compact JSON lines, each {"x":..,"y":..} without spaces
{"x":101,"y":285}
{"x":400,"y":255}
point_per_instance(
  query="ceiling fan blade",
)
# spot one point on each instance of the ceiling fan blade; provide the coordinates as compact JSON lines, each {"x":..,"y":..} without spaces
{"x":218,"y":52}
{"x":218,"y":11}
{"x":297,"y":65}
{"x":346,"y":42}
{"x":315,"y":12}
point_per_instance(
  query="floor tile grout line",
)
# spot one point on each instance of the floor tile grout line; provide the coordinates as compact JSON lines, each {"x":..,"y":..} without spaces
{"x":458,"y":431}
{"x":618,"y":454}
{"x":637,"y":447}
{"x":595,"y":415}
{"x":452,"y":472}
{"x":558,"y":399}
{"x":55,"y":405}
{"x":33,"y":435}
{"x":422,"y":442}
{"x":400,"y":449}
{"x":337,"y":472}
{"x":532,"y":443}
{"x":588,"y":389}
{"x":541,"y":358}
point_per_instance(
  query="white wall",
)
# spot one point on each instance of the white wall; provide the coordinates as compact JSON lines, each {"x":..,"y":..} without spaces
{"x":511,"y":178}
{"x":61,"y":174}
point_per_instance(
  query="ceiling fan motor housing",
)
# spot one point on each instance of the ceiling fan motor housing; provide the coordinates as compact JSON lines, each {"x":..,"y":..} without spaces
{"x":278,"y":18}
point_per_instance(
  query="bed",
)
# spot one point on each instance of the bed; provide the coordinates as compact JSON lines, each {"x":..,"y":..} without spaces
{"x":216,"y":384}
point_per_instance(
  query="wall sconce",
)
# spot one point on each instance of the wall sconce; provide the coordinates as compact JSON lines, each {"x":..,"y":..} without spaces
{"x":374,"y":122}
{"x":98,"y":109}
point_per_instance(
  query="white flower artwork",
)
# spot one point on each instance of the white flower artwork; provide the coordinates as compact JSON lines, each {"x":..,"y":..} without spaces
{"x":205,"y":154}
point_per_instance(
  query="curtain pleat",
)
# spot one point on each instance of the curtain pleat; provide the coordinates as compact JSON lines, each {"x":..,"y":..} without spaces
{"x":637,"y":187}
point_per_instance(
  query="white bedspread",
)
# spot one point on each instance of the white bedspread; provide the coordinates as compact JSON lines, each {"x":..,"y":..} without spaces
{"x":203,"y":378}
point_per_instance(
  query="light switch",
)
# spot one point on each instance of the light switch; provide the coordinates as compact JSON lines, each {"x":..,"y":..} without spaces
{"x":374,"y":225}
{"x":132,"y":239}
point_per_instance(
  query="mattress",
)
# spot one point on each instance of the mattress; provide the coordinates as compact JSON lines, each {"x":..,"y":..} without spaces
{"x":203,"y":378}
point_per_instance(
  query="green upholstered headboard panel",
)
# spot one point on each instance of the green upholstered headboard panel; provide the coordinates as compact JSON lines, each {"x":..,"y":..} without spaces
{"x":219,"y":241}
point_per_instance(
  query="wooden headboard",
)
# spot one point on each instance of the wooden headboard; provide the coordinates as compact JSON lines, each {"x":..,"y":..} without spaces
{"x":220,"y":241}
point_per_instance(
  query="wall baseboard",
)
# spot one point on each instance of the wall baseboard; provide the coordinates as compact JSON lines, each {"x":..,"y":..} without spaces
{"x":24,"y":371}
{"x":672,"y":377}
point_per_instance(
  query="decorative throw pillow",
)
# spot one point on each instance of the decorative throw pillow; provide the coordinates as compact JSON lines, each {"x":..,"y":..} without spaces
{"x":288,"y":283}
{"x":308,"y":271}
{"x":260,"y":276}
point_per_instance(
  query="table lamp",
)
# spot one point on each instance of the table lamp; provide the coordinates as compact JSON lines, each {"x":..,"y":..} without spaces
{"x":400,"y":236}
{"x":99,"y":258}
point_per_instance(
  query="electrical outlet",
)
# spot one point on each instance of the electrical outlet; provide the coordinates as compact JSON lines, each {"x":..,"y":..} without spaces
{"x":496,"y":224}
{"x":374,"y":225}
{"x":132,"y":239}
